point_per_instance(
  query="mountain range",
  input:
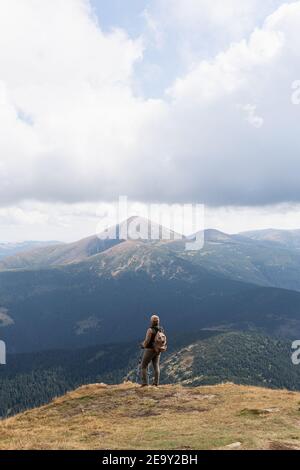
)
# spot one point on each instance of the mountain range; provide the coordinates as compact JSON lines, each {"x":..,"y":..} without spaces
{"x":287,"y":238}
{"x":100,"y":291}
{"x":8,"y":249}
{"x":267,"y":257}
{"x":74,"y":313}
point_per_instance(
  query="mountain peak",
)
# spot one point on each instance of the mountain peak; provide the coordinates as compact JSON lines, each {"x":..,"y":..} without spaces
{"x":140,"y":228}
{"x":213,"y":235}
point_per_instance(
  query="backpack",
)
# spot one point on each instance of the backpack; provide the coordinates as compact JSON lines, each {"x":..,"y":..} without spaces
{"x":160,"y":342}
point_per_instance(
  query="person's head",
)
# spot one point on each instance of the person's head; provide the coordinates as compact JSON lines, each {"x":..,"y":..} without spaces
{"x":154,"y":320}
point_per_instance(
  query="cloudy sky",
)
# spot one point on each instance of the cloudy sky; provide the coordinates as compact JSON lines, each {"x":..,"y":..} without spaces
{"x":171,"y":101}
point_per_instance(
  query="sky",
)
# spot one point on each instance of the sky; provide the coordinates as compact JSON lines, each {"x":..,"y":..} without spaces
{"x":162,"y":101}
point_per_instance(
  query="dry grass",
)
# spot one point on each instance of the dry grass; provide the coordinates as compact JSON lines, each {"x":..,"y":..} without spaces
{"x":168,"y":417}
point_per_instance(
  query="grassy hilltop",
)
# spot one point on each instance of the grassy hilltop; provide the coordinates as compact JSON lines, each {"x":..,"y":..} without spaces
{"x":169,"y":417}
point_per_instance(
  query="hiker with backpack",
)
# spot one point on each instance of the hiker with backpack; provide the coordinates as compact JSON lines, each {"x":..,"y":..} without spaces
{"x":154,"y":344}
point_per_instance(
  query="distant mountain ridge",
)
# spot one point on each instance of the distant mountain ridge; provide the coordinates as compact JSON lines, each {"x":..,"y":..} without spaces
{"x":288,"y":238}
{"x":8,"y":249}
{"x":58,"y":254}
{"x":251,"y":259}
{"x":109,"y":296}
{"x":75,"y":252}
{"x":98,"y":291}
{"x":34,"y":254}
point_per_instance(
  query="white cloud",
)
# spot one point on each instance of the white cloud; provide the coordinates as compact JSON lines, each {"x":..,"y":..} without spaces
{"x":220,"y":159}
{"x":73,"y":82}
{"x":72,"y":129}
{"x":230,"y":15}
{"x":205,"y":26}
{"x":251,"y":116}
{"x":229,"y":71}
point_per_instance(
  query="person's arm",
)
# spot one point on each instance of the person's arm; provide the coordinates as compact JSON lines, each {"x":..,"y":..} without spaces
{"x":147,"y":339}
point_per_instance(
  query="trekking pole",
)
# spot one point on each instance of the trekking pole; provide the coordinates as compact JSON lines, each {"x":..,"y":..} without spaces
{"x":139,"y":367}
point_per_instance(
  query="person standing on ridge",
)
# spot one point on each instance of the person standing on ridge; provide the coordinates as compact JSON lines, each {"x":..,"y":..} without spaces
{"x":154,"y":344}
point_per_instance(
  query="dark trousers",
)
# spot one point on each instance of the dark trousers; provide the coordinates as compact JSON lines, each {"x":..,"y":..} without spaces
{"x":150,"y":356}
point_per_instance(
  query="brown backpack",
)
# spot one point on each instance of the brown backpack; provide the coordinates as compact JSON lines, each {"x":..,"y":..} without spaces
{"x":160,"y":342}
